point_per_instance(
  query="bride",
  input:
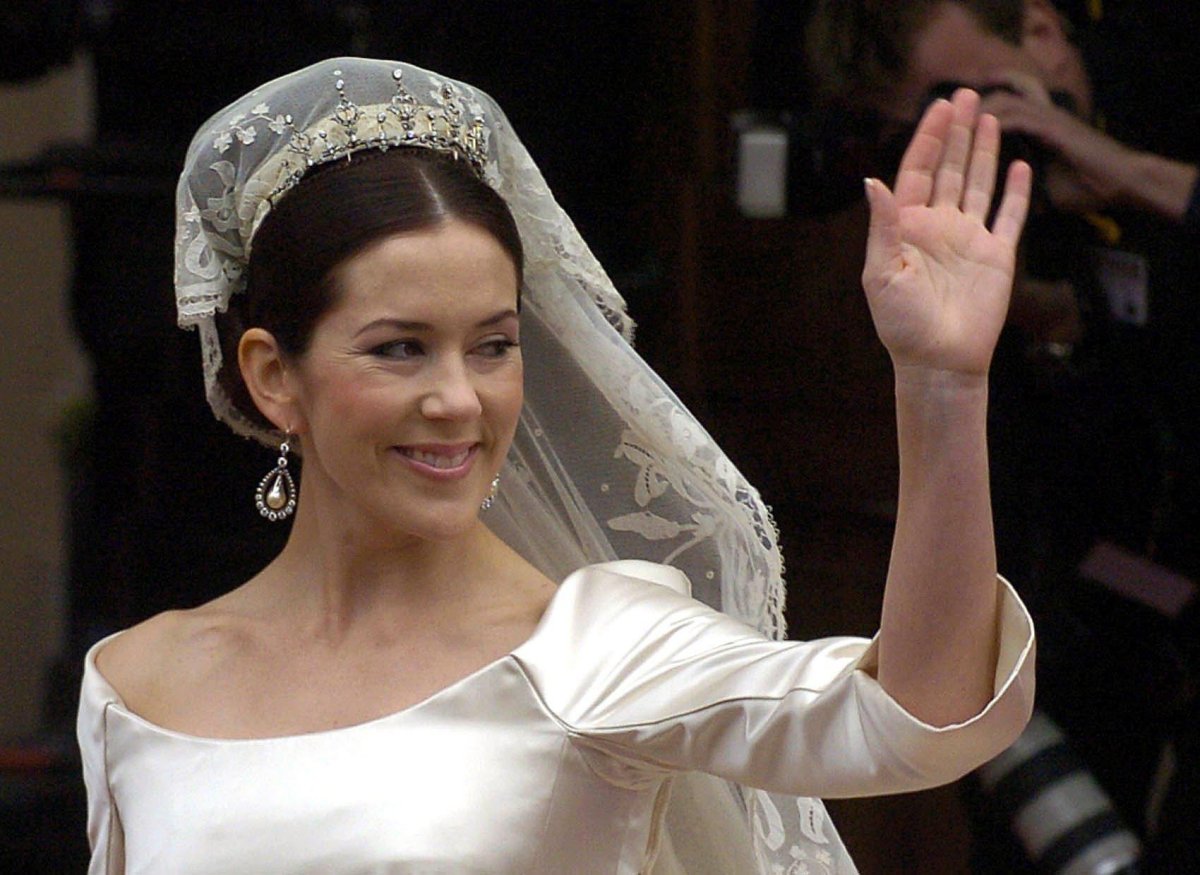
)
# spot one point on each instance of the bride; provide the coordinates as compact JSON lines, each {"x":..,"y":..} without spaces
{"x":477,"y":652}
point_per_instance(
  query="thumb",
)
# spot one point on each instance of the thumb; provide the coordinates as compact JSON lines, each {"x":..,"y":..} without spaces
{"x":883,"y":234}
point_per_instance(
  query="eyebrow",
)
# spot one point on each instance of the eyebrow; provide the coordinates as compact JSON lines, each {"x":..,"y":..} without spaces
{"x":405,"y":325}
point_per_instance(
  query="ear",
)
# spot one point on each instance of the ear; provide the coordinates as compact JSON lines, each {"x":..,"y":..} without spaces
{"x":269,"y":379}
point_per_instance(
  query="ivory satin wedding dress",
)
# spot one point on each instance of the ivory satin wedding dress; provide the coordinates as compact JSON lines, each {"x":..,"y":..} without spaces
{"x":557,"y":758}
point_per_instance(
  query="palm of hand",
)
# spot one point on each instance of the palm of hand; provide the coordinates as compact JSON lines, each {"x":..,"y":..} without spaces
{"x":937,"y":279}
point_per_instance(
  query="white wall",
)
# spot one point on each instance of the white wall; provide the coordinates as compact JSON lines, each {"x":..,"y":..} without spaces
{"x":41,"y":371}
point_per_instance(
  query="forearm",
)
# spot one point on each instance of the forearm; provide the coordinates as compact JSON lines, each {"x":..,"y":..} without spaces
{"x":937,"y":636}
{"x":1157,"y":184}
{"x":1091,"y":170}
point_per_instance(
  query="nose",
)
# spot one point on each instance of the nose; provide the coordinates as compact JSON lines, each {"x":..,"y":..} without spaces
{"x":451,"y":393}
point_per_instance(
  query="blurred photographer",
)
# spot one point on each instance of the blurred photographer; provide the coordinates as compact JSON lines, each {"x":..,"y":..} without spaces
{"x":1025,"y":53}
{"x":1096,"y":392}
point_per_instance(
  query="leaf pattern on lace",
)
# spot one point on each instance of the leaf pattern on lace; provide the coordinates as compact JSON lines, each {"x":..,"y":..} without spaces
{"x":220,"y":211}
{"x":768,"y":822}
{"x":812,"y":819}
{"x":649,"y":526}
{"x":241,"y":127}
{"x":651,"y":480}
{"x":672,"y":452}
{"x":772,"y":831}
{"x":686,"y":434}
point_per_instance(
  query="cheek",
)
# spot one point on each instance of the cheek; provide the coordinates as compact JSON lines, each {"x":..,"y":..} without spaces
{"x":506,"y":401}
{"x":346,"y":406}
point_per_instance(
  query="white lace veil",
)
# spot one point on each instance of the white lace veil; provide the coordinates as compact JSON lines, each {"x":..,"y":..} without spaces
{"x":606,"y":464}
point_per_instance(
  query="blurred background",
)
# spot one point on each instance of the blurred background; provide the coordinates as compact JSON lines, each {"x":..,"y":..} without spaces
{"x":683,"y":138}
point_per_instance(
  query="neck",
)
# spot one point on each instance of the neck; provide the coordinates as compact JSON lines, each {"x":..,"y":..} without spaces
{"x":334,"y":575}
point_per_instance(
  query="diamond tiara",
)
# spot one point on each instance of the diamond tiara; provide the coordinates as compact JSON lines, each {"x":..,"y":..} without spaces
{"x":404,"y":121}
{"x":444,"y":123}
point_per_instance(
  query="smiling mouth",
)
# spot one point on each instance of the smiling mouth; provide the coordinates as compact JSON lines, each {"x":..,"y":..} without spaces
{"x":439,"y":460}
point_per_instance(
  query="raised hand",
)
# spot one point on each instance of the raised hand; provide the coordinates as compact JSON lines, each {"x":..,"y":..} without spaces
{"x":937,"y":278}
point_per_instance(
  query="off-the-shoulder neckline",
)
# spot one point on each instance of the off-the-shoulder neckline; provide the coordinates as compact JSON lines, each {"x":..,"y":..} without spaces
{"x":97,"y":685}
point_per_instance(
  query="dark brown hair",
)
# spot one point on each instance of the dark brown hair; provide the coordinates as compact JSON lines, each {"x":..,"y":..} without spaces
{"x":856,"y":50}
{"x":337,"y":211}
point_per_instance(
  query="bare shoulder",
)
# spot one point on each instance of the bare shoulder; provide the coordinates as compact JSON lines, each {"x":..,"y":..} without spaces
{"x":530,"y":590}
{"x":126,"y":660}
{"x":163,"y":658}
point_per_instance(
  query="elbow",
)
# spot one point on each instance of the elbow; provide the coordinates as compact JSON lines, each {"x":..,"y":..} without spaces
{"x":925,"y":755}
{"x":955,"y":750}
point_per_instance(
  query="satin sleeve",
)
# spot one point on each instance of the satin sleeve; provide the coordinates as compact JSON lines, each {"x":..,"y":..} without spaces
{"x":105,"y":835}
{"x":650,"y":681}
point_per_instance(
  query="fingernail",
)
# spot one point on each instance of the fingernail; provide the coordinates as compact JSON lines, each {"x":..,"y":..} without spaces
{"x":869,"y":186}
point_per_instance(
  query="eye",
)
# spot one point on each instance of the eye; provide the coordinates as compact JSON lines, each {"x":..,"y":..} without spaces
{"x":496,"y":348}
{"x":398,"y":349}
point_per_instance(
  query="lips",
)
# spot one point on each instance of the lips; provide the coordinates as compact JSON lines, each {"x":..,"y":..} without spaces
{"x":437,"y":460}
{"x":440,"y":460}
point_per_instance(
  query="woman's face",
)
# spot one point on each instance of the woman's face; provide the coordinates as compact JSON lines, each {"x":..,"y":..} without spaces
{"x":411,"y":387}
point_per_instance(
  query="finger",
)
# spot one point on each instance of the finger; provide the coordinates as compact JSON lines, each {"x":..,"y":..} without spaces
{"x":1002,"y":108}
{"x":952,"y":169}
{"x":981,"y":177}
{"x":914,"y":180}
{"x":1026,"y":85}
{"x":1051,"y":124}
{"x":1011,"y":110}
{"x":883,"y":235}
{"x":1014,"y":206}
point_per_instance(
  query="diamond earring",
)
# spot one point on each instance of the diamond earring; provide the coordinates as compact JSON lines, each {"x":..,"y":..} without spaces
{"x":275,"y":497}
{"x":491,"y":496}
